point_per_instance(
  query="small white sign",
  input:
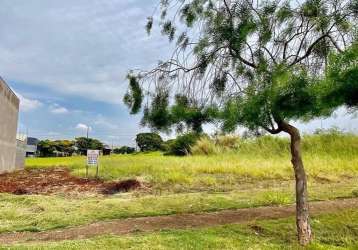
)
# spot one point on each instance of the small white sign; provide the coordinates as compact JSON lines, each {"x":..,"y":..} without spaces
{"x":92,"y":157}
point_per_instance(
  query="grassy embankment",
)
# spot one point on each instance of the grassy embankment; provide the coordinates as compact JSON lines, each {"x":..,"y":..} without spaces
{"x":257,"y":174}
{"x":332,"y":231}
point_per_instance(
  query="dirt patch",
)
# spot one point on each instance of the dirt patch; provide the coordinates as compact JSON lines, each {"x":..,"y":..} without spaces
{"x":182,"y":221}
{"x":59,"y":180}
{"x":257,"y":229}
{"x":123,"y":186}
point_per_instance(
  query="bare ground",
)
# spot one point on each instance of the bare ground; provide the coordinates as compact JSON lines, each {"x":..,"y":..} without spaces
{"x":59,"y":180}
{"x":183,"y":221}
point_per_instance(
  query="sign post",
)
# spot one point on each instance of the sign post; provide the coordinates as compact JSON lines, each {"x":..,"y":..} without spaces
{"x":92,"y":160}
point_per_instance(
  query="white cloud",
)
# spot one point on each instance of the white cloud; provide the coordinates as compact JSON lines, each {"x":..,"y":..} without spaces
{"x":57,"y":109}
{"x":27,"y":104}
{"x":83,"y":127}
{"x":85,"y":49}
{"x":104,"y":122}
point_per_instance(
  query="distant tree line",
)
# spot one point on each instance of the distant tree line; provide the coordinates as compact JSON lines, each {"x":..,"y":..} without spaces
{"x":48,"y":148}
{"x":181,"y":145}
{"x":124,"y":150}
{"x":146,"y":142}
{"x":79,"y":146}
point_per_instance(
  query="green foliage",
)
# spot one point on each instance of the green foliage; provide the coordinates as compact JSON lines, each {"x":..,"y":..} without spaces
{"x":193,"y":116}
{"x":83,"y":143}
{"x":355,"y":193}
{"x":134,"y":97}
{"x":293,"y":97}
{"x":252,"y":64}
{"x":149,"y":142}
{"x":157,"y":116}
{"x":340,"y":87}
{"x":124,"y":150}
{"x":182,"y":144}
{"x":47,"y":148}
{"x":169,"y":30}
{"x":183,"y":113}
{"x":149,"y":25}
{"x":292,"y":94}
{"x":166,"y":145}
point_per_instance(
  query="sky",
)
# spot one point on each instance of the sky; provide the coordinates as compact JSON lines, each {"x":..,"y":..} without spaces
{"x":67,"y":61}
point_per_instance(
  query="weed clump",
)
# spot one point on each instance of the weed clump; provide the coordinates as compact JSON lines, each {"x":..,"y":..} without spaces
{"x":220,"y":144}
{"x":355,"y":193}
{"x":204,"y":146}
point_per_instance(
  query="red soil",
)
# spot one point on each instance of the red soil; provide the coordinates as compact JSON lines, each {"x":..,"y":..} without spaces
{"x":59,"y":180}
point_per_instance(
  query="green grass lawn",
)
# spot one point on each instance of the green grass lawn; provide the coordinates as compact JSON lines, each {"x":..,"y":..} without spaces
{"x":332,"y":231}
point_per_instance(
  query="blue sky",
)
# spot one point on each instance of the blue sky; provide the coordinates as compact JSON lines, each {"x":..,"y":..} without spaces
{"x":67,"y":61}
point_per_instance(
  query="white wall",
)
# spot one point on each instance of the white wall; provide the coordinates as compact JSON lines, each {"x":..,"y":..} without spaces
{"x":9,"y":109}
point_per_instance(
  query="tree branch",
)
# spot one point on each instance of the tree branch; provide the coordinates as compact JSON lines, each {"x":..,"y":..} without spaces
{"x":334,"y":43}
{"x":272,"y":57}
{"x":309,"y":50}
{"x":273,"y":131}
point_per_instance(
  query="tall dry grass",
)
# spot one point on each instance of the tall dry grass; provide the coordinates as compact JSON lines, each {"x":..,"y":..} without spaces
{"x":215,"y":166}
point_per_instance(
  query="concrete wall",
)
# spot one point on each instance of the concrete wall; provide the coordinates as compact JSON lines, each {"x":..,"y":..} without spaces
{"x":20,"y":154}
{"x":9,"y":109}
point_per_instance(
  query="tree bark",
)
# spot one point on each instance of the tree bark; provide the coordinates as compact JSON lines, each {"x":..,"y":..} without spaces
{"x":304,"y":232}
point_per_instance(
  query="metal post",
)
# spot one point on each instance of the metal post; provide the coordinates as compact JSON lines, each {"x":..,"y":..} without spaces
{"x":86,"y":152}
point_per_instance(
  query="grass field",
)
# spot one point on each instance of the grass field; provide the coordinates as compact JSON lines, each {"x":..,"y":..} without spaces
{"x":257,"y":173}
{"x":38,"y":213}
{"x":332,"y":231}
{"x":329,"y":157}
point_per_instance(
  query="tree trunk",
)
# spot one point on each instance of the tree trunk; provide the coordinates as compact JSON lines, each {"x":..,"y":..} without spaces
{"x":302,"y":214}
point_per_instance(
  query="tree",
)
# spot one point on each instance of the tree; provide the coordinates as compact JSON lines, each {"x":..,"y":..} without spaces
{"x":258,"y":64}
{"x":124,"y":150}
{"x":83,"y":143}
{"x":46,"y":148}
{"x":149,"y":142}
{"x":65,"y":146}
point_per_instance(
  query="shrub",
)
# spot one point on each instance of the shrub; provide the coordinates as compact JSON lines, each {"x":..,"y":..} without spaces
{"x":166,"y":145}
{"x":149,"y":142}
{"x":204,"y":146}
{"x":182,"y":144}
{"x":220,"y":144}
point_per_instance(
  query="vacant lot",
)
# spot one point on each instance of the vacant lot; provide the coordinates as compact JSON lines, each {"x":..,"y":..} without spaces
{"x":257,"y":173}
{"x":328,"y":158}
